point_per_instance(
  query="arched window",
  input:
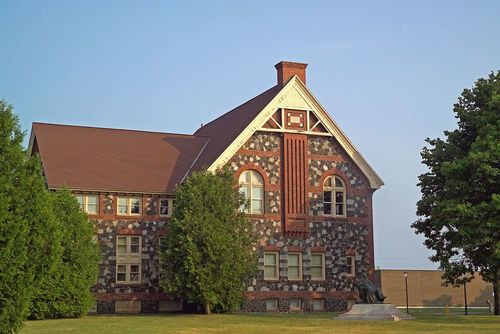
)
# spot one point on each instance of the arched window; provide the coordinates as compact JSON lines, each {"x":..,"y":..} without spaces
{"x":252,"y":187}
{"x":334,"y":197}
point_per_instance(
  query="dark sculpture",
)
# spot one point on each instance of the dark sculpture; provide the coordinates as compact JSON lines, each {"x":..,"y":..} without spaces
{"x":369,"y":293}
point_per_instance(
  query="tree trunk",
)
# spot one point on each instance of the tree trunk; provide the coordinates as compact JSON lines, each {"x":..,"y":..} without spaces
{"x":207,"y":308}
{"x":496,"y":296}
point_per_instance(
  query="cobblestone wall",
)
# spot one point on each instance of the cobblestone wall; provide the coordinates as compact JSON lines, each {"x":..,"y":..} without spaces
{"x":336,"y":238}
{"x":323,"y":146}
{"x":107,"y":231}
{"x":318,"y":167}
{"x":270,"y":164}
{"x":262,"y":141}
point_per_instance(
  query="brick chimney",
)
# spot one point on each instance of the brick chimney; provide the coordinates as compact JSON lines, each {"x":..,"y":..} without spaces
{"x":287,"y":70}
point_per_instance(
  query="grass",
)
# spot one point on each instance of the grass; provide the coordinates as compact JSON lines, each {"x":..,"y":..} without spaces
{"x":427,"y":321}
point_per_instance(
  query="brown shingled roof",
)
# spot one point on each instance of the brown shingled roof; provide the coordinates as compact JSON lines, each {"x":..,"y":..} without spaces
{"x":224,"y":130}
{"x":91,"y":158}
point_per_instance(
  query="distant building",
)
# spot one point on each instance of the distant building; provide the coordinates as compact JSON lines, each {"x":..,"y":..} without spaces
{"x":310,"y":194}
{"x":425,"y":289}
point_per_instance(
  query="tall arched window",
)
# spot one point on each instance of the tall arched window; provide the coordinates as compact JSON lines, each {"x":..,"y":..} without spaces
{"x":252,"y":187}
{"x":334,"y":197}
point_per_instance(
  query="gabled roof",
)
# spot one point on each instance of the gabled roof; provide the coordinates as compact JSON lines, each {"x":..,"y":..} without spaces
{"x":88,"y":158}
{"x":225,"y":129}
{"x":278,"y":97}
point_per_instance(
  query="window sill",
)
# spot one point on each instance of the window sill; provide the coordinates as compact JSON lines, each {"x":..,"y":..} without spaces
{"x":333,"y":216}
{"x":276,"y":279}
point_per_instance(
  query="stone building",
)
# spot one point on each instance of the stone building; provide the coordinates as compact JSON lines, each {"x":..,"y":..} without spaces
{"x":310,"y":193}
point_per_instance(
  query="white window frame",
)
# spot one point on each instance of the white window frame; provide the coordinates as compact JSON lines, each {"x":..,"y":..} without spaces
{"x":273,"y":309}
{"x":299,"y":278}
{"x":276,"y":277}
{"x":170,"y":207}
{"x":296,"y":308}
{"x":350,"y":261}
{"x":129,"y":259}
{"x":256,"y":181}
{"x":321,"y":302}
{"x":83,"y":200}
{"x":333,"y":190}
{"x":129,"y":200}
{"x":322,"y":278}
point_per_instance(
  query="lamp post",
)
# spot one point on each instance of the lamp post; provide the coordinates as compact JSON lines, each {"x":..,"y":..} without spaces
{"x":405,"y":274}
{"x":465,"y":296}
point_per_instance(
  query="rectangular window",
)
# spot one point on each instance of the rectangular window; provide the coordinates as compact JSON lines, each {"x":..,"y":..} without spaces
{"x":318,"y":266}
{"x":88,"y":203}
{"x":134,"y":273}
{"x":327,"y":202}
{"x":295,"y":304}
{"x":318,"y":304}
{"x":121,"y":246}
{"x":271,"y":266}
{"x":134,"y":245}
{"x":350,"y":265}
{"x":272,"y":304}
{"x":294,"y":266}
{"x":166,"y":206}
{"x":339,"y":203}
{"x":128,"y":259}
{"x":257,"y":197}
{"x":121,"y":273}
{"x":129,"y":206}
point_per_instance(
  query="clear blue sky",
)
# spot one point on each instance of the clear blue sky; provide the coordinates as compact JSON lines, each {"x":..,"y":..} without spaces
{"x":387,"y":71}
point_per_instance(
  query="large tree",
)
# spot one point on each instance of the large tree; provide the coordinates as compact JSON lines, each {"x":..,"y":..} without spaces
{"x":459,"y":213}
{"x":66,"y":291}
{"x":208,"y":255}
{"x":29,"y":233}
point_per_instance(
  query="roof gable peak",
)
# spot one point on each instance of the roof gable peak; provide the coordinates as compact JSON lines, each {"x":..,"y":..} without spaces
{"x":296,"y":96}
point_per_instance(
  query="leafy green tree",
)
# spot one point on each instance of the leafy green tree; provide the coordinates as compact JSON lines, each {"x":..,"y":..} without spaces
{"x":28,"y":229}
{"x":14,"y":281}
{"x":459,"y":213}
{"x":208,"y":254}
{"x":66,"y":292}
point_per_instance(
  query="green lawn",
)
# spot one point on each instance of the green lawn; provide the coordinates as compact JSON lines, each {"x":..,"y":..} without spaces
{"x":427,"y":321}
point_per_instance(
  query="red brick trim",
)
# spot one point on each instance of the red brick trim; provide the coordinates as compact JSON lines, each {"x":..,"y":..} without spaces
{"x":354,"y":220}
{"x":318,"y":249}
{"x":302,"y":294}
{"x":352,"y":192}
{"x":268,"y":216}
{"x":335,"y":171}
{"x":271,"y":248}
{"x":338,"y":158}
{"x":253,"y":153}
{"x":109,"y":296}
{"x":295,"y":249}
{"x":128,"y":231}
{"x":253,"y":166}
{"x":350,"y":252}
